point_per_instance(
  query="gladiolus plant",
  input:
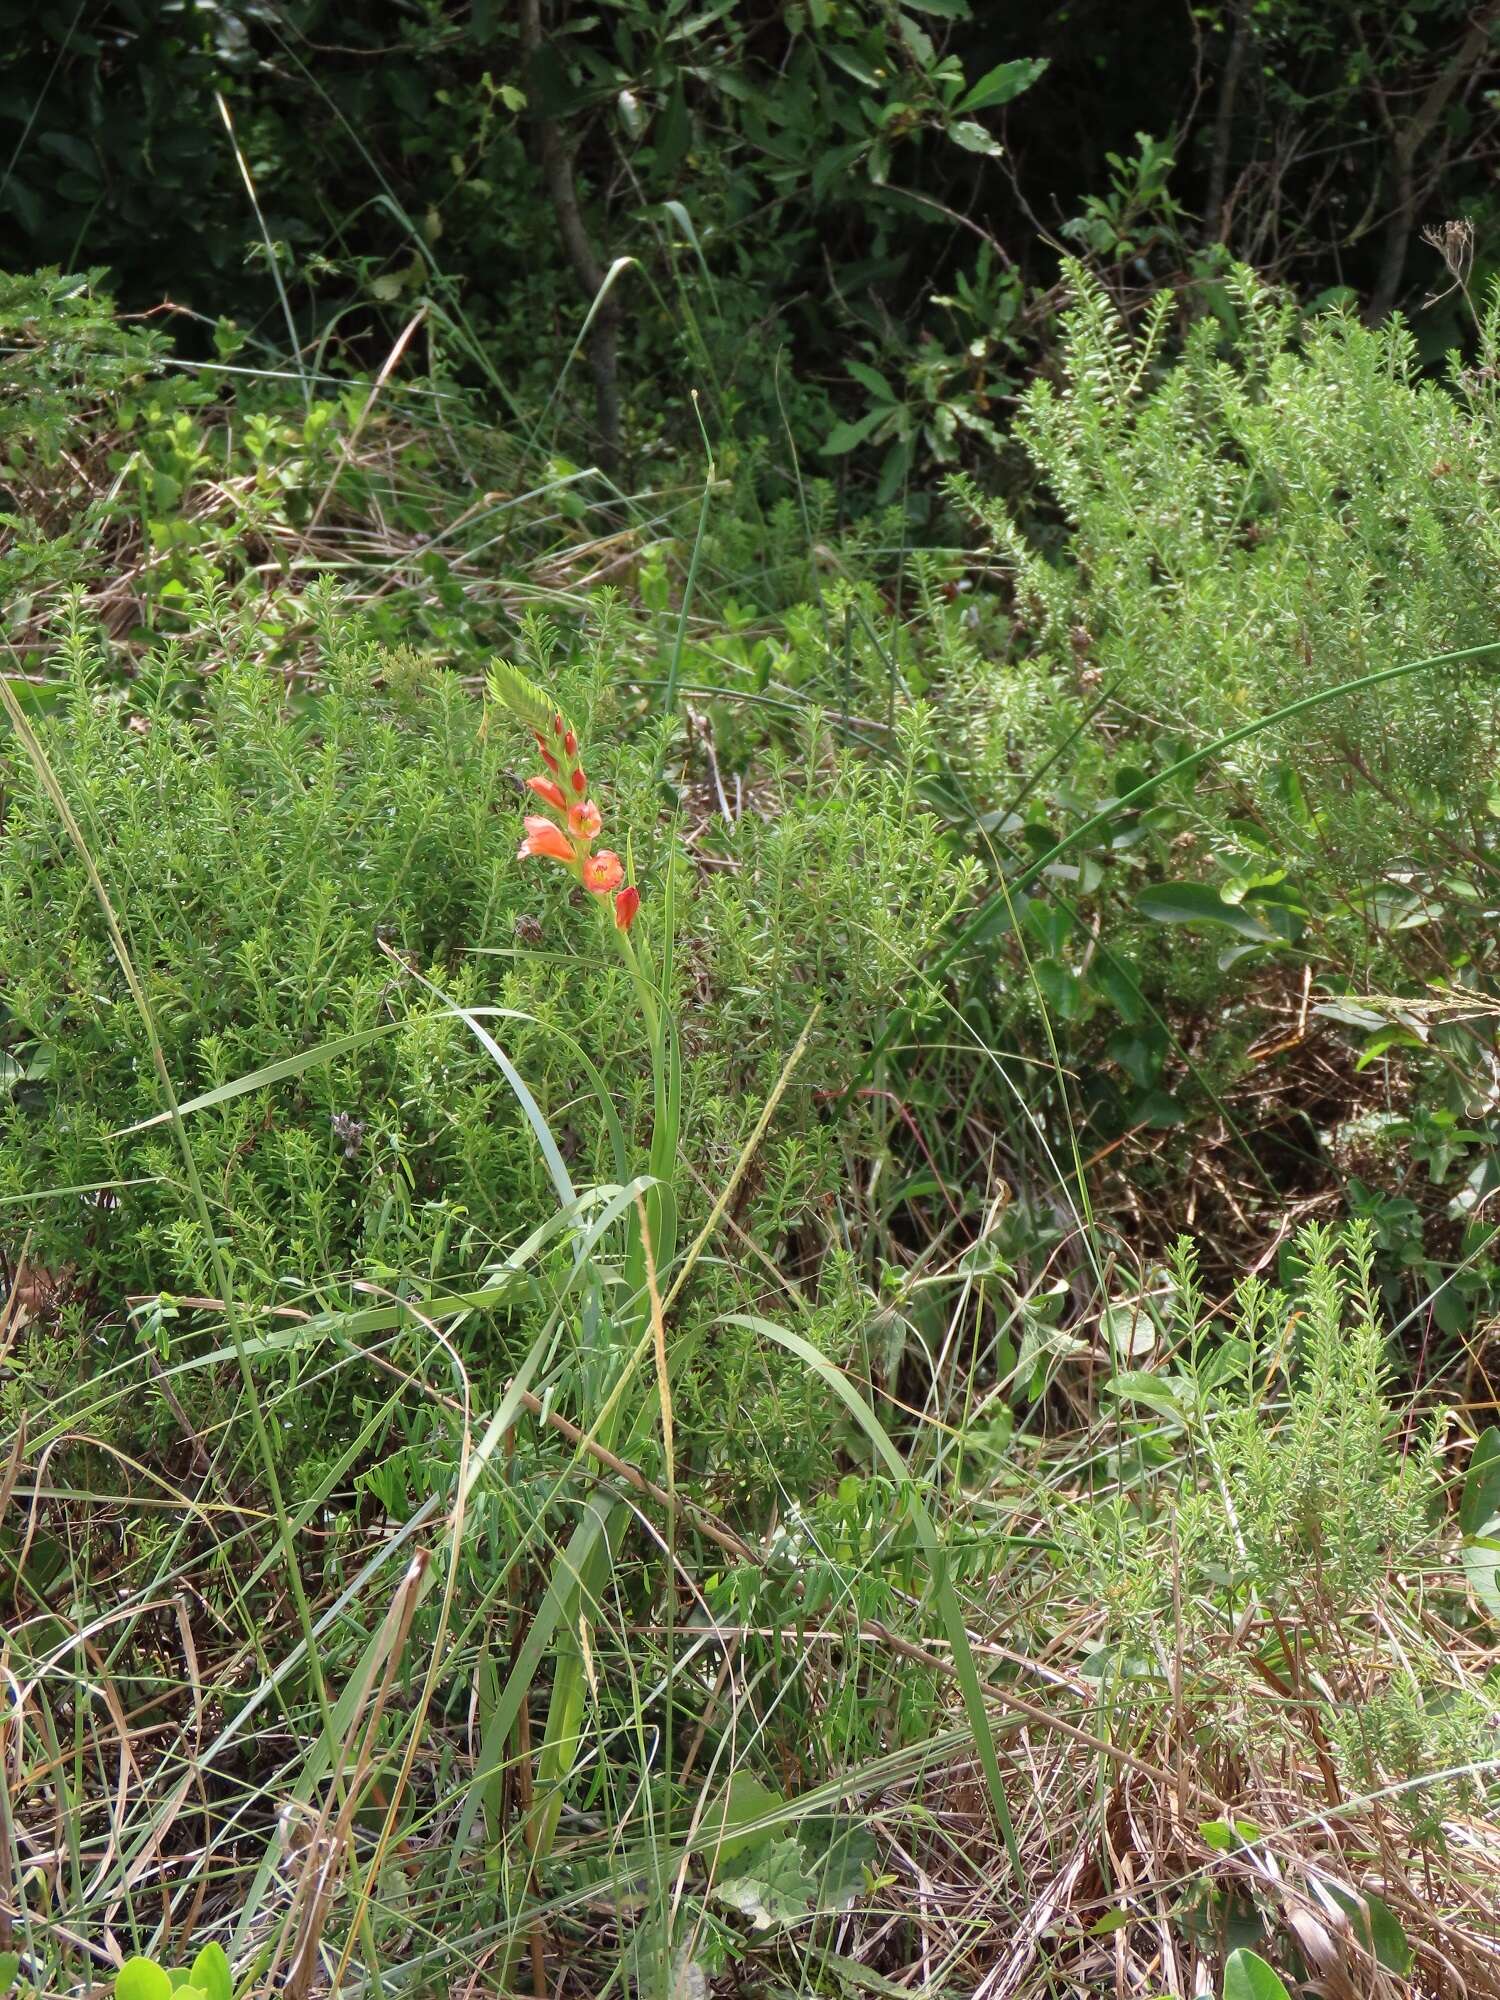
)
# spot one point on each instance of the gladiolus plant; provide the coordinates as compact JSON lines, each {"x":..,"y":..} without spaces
{"x":569,"y":837}
{"x":565,"y":833}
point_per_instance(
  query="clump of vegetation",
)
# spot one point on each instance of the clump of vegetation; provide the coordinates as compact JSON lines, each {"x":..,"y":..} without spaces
{"x":747,"y":1135}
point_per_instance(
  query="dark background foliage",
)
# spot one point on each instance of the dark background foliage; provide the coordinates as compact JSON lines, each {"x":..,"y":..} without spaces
{"x":816,"y":166}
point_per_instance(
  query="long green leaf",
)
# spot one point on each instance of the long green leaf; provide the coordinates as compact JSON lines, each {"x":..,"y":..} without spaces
{"x":470,"y":1016}
{"x":278,"y":1072}
{"x":927,"y":1533}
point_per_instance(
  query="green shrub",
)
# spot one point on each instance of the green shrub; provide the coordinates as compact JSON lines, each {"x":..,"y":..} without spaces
{"x":1273,"y":516}
{"x":278,"y":851}
{"x":1280,"y":1609}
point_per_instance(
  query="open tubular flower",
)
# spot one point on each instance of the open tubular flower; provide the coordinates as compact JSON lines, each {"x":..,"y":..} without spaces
{"x":542,"y":837}
{"x":603,"y":872}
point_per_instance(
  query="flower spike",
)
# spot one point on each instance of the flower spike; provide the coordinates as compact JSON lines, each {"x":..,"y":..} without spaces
{"x":570,"y":837}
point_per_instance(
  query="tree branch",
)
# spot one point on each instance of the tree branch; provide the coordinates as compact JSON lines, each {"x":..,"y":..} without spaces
{"x":555,"y":157}
{"x":1215,"y":206}
{"x":1407,"y":141}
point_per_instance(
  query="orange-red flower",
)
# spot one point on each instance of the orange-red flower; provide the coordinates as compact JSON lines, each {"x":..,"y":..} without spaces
{"x":603,"y":871}
{"x":573,"y":822}
{"x":542,"y":837}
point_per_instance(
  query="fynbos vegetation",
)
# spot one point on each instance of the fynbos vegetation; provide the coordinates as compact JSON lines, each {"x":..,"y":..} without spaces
{"x":749,"y":1089}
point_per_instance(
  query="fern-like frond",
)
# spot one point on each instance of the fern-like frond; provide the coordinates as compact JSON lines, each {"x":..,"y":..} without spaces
{"x":528,"y":702}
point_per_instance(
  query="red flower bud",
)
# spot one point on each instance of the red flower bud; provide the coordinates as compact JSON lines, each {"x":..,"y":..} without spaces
{"x":578,"y":781}
{"x":626,"y":904}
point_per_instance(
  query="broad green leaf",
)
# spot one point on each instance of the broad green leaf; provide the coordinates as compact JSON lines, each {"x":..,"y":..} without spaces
{"x":1248,"y":1977}
{"x":851,"y":65}
{"x":895,"y":468}
{"x":211,"y":1973}
{"x":917,"y":40}
{"x":867,"y":378}
{"x":1389,"y":1939}
{"x":744,"y":1801}
{"x":1482,"y":1568}
{"x":1349,"y":1014}
{"x":10,"y":1965}
{"x":1387,"y":1038}
{"x":1197,"y":903}
{"x":971,"y":135}
{"x":778,"y":1890}
{"x":1154,"y":1391}
{"x":841,"y":1869}
{"x":1374,"y":1923}
{"x":845,"y":437}
{"x":1157,"y":1108}
{"x":1479,"y":1517}
{"x":1481,"y":1495}
{"x":1128,"y":1330}
{"x":1113,"y":980}
{"x":142,"y":1979}
{"x":1060,"y":988}
{"x":1003,"y":83}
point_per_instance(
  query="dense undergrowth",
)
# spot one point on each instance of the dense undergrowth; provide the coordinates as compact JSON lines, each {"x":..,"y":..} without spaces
{"x":542,"y":1463}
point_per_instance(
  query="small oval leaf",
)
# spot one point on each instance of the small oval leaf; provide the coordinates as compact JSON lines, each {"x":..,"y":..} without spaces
{"x":1248,"y":1977}
{"x":142,"y":1979}
{"x":211,"y":1973}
